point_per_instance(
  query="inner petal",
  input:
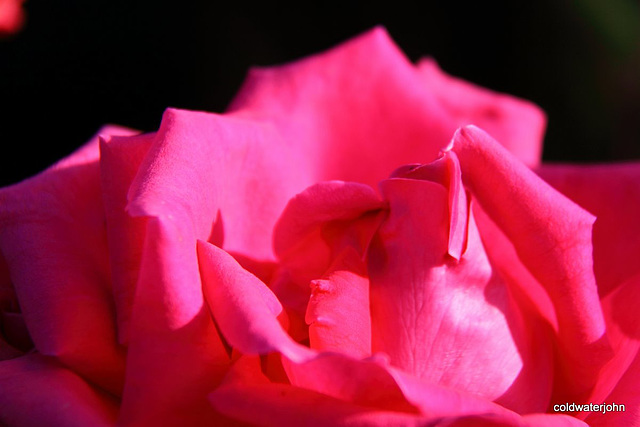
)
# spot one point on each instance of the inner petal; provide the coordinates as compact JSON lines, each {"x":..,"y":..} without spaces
{"x":445,"y":320}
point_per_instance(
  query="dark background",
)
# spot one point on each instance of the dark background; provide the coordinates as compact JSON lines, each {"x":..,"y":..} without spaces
{"x":78,"y":64}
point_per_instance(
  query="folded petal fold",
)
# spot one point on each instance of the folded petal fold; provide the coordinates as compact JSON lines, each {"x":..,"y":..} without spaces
{"x":52,"y":238}
{"x":552,"y":237}
{"x":37,"y":390}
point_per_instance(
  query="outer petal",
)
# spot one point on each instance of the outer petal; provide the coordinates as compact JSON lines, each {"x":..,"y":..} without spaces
{"x":248,"y":395}
{"x":612,"y":194}
{"x":517,"y":124}
{"x":362,"y":100}
{"x":230,"y":177}
{"x":625,"y":393}
{"x":620,"y":376}
{"x":175,"y":354}
{"x":14,"y":336}
{"x":552,"y":237}
{"x":120,"y":158}
{"x":52,"y":238}
{"x":36,"y":390}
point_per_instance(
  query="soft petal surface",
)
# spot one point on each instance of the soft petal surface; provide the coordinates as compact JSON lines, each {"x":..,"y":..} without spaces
{"x":247,"y":394}
{"x":517,"y":124}
{"x":120,"y":158}
{"x":338,"y":312}
{"x":315,"y":229}
{"x":364,"y":100}
{"x":246,"y":312}
{"x":227,"y":178}
{"x":37,"y":390}
{"x":625,"y":393}
{"x":612,"y":194}
{"x":175,"y":355}
{"x":445,"y":320}
{"x":619,"y":378}
{"x":552,"y":237}
{"x":52,"y":237}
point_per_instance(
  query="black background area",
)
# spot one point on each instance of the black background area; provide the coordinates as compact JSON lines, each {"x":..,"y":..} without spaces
{"x":79,"y":64}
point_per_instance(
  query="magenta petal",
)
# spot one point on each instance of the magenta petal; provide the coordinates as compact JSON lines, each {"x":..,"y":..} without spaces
{"x":175,"y":355}
{"x":247,"y":395}
{"x":551,"y":420}
{"x":612,"y":194}
{"x":362,"y":100}
{"x":245,"y":310}
{"x":338,"y":312}
{"x":517,"y":124}
{"x":315,"y":228}
{"x":243,"y":307}
{"x":552,"y":237}
{"x":618,"y":378}
{"x":216,"y":174}
{"x":318,"y":204}
{"x":492,"y":420}
{"x":120,"y":159}
{"x":52,"y":238}
{"x":304,"y":244}
{"x":37,"y":390}
{"x":447,"y":321}
{"x":286,"y":405}
{"x":445,"y":171}
{"x":625,"y":393}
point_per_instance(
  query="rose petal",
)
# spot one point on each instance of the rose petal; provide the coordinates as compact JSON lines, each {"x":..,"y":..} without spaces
{"x":175,"y":354}
{"x":490,"y":420}
{"x":447,"y":321}
{"x":200,"y":179}
{"x":216,"y":171}
{"x":552,"y":420}
{"x":7,"y":351}
{"x":242,"y":307}
{"x":120,"y":158}
{"x":36,"y":390}
{"x":552,"y":237}
{"x":248,"y":395}
{"x":323,"y":202}
{"x":625,"y":393}
{"x":618,"y":378}
{"x":246,"y":311}
{"x":612,"y":194}
{"x":338,"y":312}
{"x":445,"y":171}
{"x":338,"y":105}
{"x":314,"y":228}
{"x":53,"y":240}
{"x":517,"y":124}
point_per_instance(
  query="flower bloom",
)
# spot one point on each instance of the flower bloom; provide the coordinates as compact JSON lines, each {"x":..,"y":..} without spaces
{"x":357,"y":241}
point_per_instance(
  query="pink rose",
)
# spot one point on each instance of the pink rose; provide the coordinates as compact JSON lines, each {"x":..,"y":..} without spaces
{"x":348,"y":245}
